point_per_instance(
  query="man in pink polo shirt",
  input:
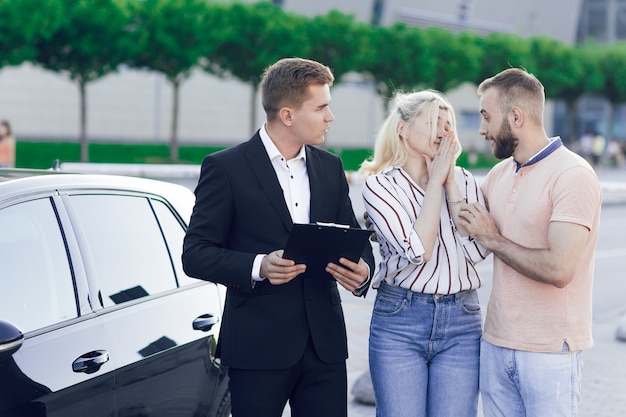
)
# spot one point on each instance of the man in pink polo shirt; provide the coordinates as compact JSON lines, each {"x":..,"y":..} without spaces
{"x":542,"y":227}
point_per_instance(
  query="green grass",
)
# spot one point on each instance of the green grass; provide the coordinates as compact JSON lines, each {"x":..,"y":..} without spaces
{"x":43,"y":154}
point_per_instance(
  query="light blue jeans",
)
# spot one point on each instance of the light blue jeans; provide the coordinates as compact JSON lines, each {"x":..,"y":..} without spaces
{"x":515,"y":383}
{"x":424,"y":353}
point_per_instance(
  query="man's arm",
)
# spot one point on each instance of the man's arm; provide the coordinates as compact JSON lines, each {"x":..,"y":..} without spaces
{"x":554,"y":265}
{"x":204,"y":253}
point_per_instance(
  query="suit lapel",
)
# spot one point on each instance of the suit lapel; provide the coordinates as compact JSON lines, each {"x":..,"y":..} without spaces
{"x":316,"y":184}
{"x":262,"y":168}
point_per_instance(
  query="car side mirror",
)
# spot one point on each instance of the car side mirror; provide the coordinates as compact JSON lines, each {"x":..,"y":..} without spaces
{"x":10,"y":339}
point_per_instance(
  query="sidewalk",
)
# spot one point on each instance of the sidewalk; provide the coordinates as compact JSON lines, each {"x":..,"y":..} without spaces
{"x":613,"y":182}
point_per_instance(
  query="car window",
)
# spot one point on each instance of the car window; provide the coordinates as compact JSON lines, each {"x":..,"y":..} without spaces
{"x":174,"y":234}
{"x":35,"y":278}
{"x":125,"y":245}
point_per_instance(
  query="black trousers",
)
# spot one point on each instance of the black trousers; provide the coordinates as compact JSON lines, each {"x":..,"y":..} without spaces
{"x":312,"y":387}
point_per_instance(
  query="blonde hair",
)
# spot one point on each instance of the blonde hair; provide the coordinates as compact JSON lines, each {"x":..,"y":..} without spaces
{"x":389,"y":150}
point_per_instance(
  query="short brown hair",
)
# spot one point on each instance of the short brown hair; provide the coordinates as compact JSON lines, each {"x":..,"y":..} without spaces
{"x":285,"y":83}
{"x":517,"y":87}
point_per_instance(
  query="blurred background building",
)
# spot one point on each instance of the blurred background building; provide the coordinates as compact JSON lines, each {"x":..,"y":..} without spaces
{"x":601,"y":21}
{"x":134,"y":106}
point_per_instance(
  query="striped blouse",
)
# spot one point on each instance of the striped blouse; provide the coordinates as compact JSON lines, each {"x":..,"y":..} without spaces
{"x":393,"y":201}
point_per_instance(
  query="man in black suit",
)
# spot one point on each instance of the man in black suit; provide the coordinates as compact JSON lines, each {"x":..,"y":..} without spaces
{"x":283,"y":334}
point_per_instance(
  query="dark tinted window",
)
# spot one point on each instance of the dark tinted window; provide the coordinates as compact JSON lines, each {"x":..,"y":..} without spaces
{"x":174,"y":235}
{"x":598,"y":18}
{"x":125,"y":245}
{"x":36,"y":287}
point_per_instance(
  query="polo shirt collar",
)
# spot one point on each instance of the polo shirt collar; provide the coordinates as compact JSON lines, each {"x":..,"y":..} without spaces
{"x":554,"y":144}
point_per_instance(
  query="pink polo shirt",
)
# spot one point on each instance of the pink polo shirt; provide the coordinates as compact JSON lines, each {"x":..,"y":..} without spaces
{"x":524,"y":314}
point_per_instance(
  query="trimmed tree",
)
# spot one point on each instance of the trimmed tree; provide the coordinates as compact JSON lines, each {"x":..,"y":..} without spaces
{"x":565,"y":73}
{"x":248,"y":38}
{"x":89,"y":43}
{"x":501,"y":51}
{"x":456,"y":58}
{"x":171,"y":36}
{"x":18,"y":36}
{"x":611,"y":61}
{"x":336,"y":40}
{"x":396,"y":59}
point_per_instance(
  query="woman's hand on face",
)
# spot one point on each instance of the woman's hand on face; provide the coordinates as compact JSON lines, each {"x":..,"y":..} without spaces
{"x":441,"y":167}
{"x":450,"y":178}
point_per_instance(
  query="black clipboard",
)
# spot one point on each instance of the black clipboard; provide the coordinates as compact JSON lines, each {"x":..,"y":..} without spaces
{"x":320,"y":243}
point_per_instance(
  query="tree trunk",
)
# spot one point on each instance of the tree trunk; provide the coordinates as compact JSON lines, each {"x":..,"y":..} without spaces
{"x":573,"y":120}
{"x":610,"y":125}
{"x":174,"y":132}
{"x":384,"y":91}
{"x":253,"y":96}
{"x":84,"y":145}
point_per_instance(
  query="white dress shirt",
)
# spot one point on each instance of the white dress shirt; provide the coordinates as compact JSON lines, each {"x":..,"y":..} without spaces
{"x":294,"y":180}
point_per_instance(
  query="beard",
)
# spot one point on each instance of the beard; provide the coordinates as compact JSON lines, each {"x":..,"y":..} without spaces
{"x":504,"y":142}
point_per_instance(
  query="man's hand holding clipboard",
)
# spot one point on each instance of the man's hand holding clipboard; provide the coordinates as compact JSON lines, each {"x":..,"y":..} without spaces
{"x":330,"y":248}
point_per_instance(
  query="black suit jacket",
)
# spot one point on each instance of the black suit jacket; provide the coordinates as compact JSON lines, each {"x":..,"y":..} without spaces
{"x":240,"y":212}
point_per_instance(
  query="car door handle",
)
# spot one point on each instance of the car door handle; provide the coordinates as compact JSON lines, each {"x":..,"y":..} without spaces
{"x":90,"y":362}
{"x":205,"y":322}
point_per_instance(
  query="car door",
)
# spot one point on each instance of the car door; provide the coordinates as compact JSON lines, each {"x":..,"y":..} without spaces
{"x":61,"y":366}
{"x":147,"y":307}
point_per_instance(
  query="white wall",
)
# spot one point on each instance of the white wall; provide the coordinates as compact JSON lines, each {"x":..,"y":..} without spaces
{"x":130,"y":105}
{"x":136,"y":106}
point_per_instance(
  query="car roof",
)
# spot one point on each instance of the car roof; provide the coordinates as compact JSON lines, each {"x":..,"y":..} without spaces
{"x":15,"y":182}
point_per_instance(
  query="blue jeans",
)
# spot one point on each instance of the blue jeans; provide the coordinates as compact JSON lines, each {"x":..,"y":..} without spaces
{"x":515,"y":383}
{"x":424,"y":353}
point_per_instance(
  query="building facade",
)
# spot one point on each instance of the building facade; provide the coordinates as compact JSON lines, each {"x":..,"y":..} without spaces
{"x":600,"y":21}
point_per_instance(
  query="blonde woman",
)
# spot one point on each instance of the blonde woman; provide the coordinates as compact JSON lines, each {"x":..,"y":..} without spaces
{"x":426,"y":324}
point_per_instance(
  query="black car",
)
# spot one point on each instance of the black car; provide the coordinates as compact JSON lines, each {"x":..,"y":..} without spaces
{"x":97,"y":317}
